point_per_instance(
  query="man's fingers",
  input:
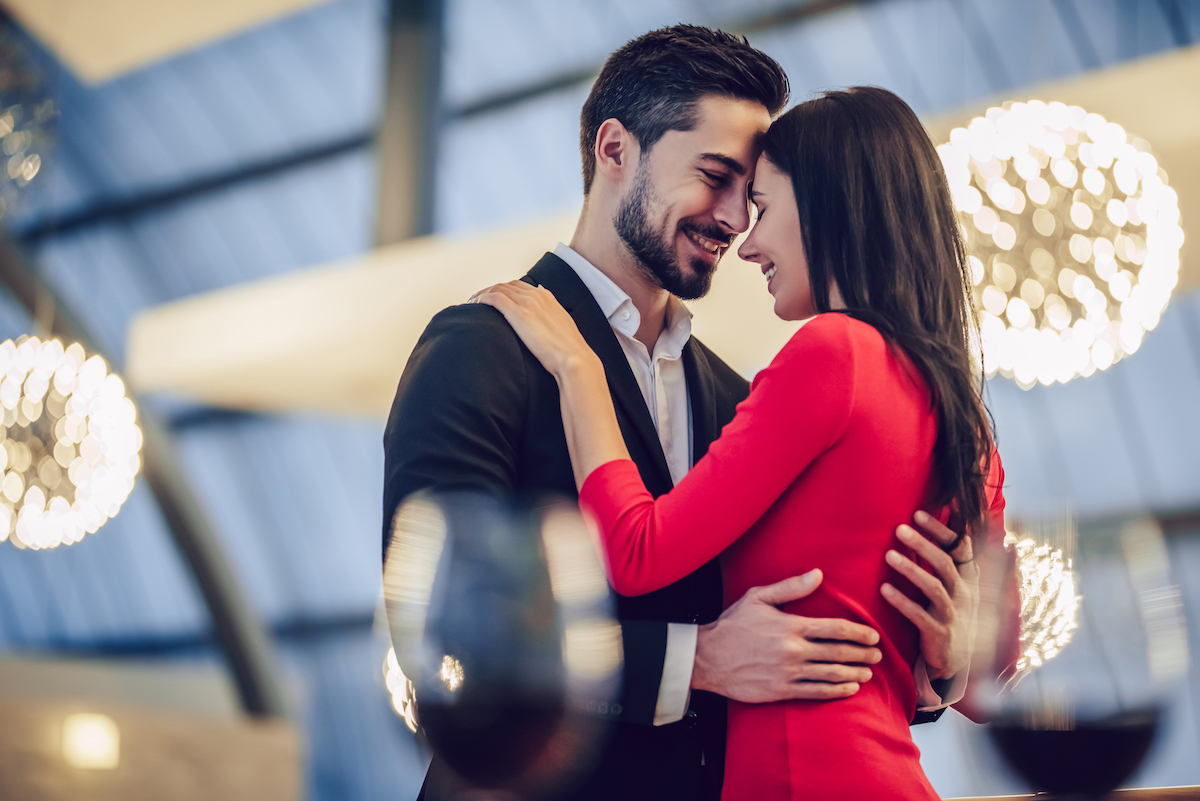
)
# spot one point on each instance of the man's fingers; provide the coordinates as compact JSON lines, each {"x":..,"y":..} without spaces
{"x":832,"y":628}
{"x":820,"y":691}
{"x":790,"y":589}
{"x":913,"y":611}
{"x":838,"y":662}
{"x":832,"y":674}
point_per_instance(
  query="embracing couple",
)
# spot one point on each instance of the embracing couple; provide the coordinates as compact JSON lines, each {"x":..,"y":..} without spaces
{"x":782,"y":625}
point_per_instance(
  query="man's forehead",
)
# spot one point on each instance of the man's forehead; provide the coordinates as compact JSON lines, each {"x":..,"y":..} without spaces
{"x":730,"y":130}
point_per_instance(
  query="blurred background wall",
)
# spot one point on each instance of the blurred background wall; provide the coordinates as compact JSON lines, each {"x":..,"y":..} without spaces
{"x":253,"y":149}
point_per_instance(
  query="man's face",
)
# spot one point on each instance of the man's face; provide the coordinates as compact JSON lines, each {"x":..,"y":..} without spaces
{"x":689,"y":197}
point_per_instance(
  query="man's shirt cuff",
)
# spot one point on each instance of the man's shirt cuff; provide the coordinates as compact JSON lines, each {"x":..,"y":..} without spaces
{"x":952,"y":689}
{"x":675,"y":689}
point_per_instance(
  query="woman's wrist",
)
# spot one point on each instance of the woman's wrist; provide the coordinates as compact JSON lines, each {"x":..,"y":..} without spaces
{"x":578,"y":366}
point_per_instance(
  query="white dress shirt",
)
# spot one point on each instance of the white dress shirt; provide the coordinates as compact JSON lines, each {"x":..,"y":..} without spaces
{"x":660,"y":376}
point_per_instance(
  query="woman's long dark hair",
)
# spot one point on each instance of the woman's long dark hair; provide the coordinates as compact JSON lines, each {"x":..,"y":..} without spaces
{"x":877,"y":219}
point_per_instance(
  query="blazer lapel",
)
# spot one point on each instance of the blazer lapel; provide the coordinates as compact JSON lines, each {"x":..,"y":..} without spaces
{"x":557,"y":276}
{"x":702,"y":392}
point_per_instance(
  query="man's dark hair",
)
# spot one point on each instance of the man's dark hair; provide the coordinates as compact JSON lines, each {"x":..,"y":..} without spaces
{"x":652,"y":84}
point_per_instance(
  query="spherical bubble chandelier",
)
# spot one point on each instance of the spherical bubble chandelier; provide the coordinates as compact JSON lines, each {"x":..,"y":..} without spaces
{"x":1072,"y":234}
{"x":69,"y":443}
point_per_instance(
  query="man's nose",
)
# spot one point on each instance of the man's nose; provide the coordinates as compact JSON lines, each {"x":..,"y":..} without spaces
{"x":733,"y":212}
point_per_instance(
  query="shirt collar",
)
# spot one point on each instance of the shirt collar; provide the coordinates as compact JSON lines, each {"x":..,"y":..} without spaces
{"x":618,"y":307}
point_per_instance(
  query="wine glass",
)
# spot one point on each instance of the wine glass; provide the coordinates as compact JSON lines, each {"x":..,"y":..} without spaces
{"x":1085,"y":655}
{"x":502,"y":619}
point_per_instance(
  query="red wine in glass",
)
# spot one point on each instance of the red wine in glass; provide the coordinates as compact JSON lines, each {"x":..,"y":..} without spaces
{"x":1088,"y":760}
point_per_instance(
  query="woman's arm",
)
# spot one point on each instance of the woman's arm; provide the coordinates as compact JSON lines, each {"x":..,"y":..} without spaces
{"x":798,"y":408}
{"x":589,"y":420}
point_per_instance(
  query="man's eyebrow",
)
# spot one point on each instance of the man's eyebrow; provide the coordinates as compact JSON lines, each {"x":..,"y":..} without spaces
{"x":726,"y":161}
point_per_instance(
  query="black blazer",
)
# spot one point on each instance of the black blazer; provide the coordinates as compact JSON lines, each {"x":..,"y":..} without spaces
{"x":475,"y":410}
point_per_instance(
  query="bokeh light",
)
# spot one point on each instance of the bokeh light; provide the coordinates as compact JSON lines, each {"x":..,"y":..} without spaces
{"x":69,"y":443}
{"x":1049,"y":603}
{"x":401,"y":690}
{"x":1072,"y":234}
{"x":28,"y":118}
{"x":92,"y":741}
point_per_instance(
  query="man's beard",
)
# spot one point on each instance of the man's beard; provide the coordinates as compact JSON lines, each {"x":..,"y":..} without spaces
{"x":654,"y":251}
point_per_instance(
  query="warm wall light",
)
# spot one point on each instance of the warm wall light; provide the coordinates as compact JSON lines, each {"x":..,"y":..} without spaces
{"x":69,"y":443}
{"x":1073,"y":236}
{"x":91,"y":741}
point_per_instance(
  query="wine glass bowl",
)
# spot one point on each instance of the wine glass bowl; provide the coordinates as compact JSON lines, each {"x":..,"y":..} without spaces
{"x":501,"y":618}
{"x":1084,"y":666}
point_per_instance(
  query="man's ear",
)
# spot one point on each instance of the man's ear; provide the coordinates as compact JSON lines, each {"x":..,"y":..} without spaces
{"x":616,"y":151}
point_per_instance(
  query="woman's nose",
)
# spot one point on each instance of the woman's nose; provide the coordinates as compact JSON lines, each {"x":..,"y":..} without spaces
{"x":749,"y":251}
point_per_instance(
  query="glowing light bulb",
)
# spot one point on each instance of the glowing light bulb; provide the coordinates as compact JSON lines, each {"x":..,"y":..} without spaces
{"x":71,"y":443}
{"x":91,"y":741}
{"x":1073,"y":241}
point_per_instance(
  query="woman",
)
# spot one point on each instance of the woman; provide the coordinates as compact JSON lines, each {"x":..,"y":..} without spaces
{"x":870,"y":412}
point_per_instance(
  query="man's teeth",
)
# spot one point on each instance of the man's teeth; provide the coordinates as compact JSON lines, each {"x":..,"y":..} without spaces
{"x":769,"y":274}
{"x":707,"y":244}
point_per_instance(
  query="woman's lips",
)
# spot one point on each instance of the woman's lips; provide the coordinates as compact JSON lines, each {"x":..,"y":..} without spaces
{"x":769,"y":273}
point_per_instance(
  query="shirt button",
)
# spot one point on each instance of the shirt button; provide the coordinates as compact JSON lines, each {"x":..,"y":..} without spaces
{"x":625,"y":315}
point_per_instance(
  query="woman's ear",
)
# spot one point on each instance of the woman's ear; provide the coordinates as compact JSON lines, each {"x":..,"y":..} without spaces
{"x":616,"y":151}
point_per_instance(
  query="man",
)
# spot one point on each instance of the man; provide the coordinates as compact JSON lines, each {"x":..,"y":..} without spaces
{"x":669,"y":138}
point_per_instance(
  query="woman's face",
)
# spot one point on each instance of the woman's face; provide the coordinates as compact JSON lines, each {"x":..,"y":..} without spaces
{"x":776,"y":244}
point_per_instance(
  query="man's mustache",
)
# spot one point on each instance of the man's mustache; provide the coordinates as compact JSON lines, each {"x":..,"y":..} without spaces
{"x":710,"y":230}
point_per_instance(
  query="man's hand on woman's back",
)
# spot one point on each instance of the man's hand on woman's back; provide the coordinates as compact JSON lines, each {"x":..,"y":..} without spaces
{"x":756,"y":653}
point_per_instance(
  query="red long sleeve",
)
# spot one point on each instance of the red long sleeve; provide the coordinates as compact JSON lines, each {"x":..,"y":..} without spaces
{"x":832,"y":450}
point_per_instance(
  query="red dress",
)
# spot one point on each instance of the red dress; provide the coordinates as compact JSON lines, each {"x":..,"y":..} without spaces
{"x":829,"y":453}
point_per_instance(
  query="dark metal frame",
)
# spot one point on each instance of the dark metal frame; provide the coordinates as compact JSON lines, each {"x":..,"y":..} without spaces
{"x":119,"y":209}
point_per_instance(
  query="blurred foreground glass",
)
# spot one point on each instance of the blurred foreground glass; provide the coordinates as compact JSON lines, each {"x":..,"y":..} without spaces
{"x":501,"y":618}
{"x":1099,"y":649}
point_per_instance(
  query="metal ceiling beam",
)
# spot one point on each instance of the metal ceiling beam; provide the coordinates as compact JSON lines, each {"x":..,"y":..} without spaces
{"x":1077,"y":33}
{"x":788,"y":15}
{"x":408,"y":132}
{"x":296,"y":630}
{"x":1176,"y":21}
{"x":242,"y":637}
{"x":123,"y":208}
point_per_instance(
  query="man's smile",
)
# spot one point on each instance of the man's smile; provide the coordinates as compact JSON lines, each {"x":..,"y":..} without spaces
{"x":708,"y":245}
